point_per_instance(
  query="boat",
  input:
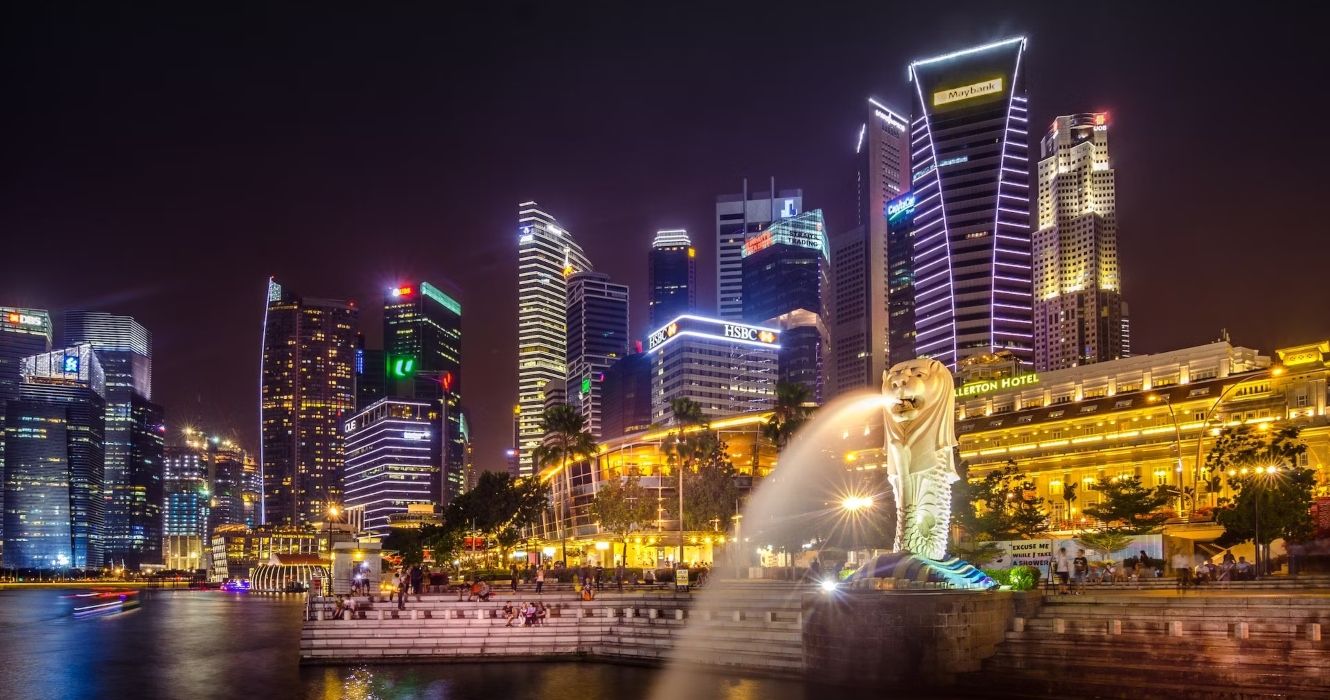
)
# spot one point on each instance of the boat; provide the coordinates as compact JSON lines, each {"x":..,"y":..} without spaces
{"x":102,"y":603}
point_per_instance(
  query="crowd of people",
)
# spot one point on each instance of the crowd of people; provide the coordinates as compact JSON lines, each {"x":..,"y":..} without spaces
{"x":531,"y":613}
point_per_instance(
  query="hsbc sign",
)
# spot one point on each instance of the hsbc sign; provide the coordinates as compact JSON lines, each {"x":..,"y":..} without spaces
{"x":716,"y":329}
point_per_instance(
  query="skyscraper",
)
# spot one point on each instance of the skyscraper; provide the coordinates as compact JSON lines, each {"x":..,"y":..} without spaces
{"x":597,"y":319}
{"x":371,"y":380}
{"x":737,"y":217}
{"x":54,"y":502}
{"x":858,"y":313}
{"x":423,"y":325}
{"x":785,"y":283}
{"x":900,"y":279}
{"x":546,"y":256}
{"x":1079,"y":314}
{"x":970,"y":179}
{"x":186,"y":474}
{"x":23,"y":333}
{"x":226,"y":483}
{"x":308,"y":389}
{"x":671,"y":276}
{"x":133,"y":450}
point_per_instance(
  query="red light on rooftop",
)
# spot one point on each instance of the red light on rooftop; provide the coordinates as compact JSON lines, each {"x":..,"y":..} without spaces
{"x":1100,"y":119}
{"x":403,"y":291}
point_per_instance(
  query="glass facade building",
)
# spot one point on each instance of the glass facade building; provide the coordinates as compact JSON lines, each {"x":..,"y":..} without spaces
{"x":739,"y":216}
{"x":187,"y":497}
{"x":900,"y":279}
{"x":422,"y":340}
{"x":970,"y":177}
{"x":307,"y":391}
{"x":23,"y":333}
{"x":785,"y":270}
{"x":392,"y":458}
{"x":546,"y":256}
{"x":626,"y":396}
{"x":54,"y":431}
{"x":671,"y":276}
{"x":597,"y":320}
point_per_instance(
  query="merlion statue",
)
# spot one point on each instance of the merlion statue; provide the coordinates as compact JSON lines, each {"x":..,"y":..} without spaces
{"x":921,"y":464}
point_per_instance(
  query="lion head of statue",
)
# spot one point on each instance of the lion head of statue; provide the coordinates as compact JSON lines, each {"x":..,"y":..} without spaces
{"x":921,"y":400}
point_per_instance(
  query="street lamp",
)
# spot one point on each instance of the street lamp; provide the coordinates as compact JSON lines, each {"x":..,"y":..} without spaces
{"x":332,"y":513}
{"x":1275,"y":371}
{"x":1260,"y":477}
{"x":854,"y":504}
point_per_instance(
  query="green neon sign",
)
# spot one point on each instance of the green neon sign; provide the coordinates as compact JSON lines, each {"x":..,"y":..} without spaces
{"x":402,"y":367}
{"x":586,"y":385}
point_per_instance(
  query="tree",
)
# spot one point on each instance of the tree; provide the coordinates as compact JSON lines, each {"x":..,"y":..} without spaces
{"x":621,"y":506}
{"x":710,"y":491}
{"x":1106,"y":541}
{"x":1128,"y":506}
{"x":566,"y":439}
{"x":1241,"y":446}
{"x":1001,"y":506}
{"x":499,"y":505}
{"x":684,"y":449}
{"x":977,"y":552}
{"x":1069,"y":496}
{"x":789,"y":414}
{"x":1283,"y":499}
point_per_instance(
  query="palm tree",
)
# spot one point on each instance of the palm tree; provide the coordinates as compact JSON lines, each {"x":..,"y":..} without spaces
{"x":682,"y":450}
{"x":566,"y":438}
{"x":1069,"y":495}
{"x":790,"y":413}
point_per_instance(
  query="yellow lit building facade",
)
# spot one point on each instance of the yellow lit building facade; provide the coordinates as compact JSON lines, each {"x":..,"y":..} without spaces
{"x":1151,"y":416}
{"x":570,"y":521}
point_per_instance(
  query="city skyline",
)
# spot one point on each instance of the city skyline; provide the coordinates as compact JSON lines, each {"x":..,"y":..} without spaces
{"x":206,"y":331}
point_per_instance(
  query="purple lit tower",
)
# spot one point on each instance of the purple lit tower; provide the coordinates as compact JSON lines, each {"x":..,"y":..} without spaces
{"x":970,"y":172}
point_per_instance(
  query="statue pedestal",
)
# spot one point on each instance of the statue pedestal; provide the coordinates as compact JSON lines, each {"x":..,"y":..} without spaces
{"x":903,"y":570}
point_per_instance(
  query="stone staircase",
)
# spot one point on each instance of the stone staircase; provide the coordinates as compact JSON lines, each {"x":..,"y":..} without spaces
{"x":752,"y":627}
{"x":1157,"y":644}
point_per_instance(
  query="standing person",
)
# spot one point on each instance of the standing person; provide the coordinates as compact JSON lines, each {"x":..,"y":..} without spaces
{"x":540,"y":579}
{"x":1143,"y":559}
{"x":397,"y":583}
{"x":1080,"y":568}
{"x":513,"y":574}
{"x":417,"y":580}
{"x":619,"y":574}
{"x":1062,"y":569}
{"x":403,"y":581}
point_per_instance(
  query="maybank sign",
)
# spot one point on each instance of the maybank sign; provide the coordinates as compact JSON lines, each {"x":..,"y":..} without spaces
{"x":990,"y":385}
{"x":714,"y":329}
{"x":965,"y":92}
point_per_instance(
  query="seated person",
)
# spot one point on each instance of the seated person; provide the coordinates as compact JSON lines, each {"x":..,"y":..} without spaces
{"x":542,"y":612}
{"x":484,"y":591}
{"x":509,"y":614}
{"x":340,"y":609}
{"x":475,"y":592}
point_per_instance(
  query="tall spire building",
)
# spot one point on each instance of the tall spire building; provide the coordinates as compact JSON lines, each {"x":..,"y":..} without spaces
{"x":857,"y":303}
{"x":307,"y":391}
{"x":970,"y":180}
{"x":1079,"y":314}
{"x":546,"y":256}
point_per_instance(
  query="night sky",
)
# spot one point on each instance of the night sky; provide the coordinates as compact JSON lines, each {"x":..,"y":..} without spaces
{"x":163,"y":162}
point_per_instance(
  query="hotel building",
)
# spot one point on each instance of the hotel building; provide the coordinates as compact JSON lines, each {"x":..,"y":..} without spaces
{"x":1150,"y":416}
{"x":970,"y":179}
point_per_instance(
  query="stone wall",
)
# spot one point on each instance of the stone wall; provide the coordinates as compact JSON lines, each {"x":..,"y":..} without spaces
{"x":907,"y":638}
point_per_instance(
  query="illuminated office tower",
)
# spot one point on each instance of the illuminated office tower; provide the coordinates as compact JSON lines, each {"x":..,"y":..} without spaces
{"x":546,"y":256}
{"x":23,"y":333}
{"x":186,"y":509}
{"x":671,"y":276}
{"x":371,"y":380}
{"x":727,"y":367}
{"x":422,"y":346}
{"x":785,"y":283}
{"x":626,"y":397}
{"x":739,"y":216}
{"x":392,"y":458}
{"x":54,"y":502}
{"x":251,"y":490}
{"x":859,"y":320}
{"x":970,"y":179}
{"x":1079,"y":314}
{"x":133,"y":449}
{"x":226,"y":483}
{"x":900,"y":279}
{"x":308,"y":390}
{"x":597,"y":319}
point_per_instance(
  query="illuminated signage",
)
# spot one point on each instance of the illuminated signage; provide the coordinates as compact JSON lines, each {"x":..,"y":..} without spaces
{"x":71,"y":364}
{"x":900,"y":206}
{"x":953,"y":161}
{"x":714,"y":329}
{"x":586,"y":385}
{"x":415,"y":434}
{"x":804,"y":231}
{"x":988,"y":385}
{"x":446,"y":380}
{"x":966,"y":92}
{"x":789,"y":209}
{"x":402,"y":367}
{"x":25,"y":319}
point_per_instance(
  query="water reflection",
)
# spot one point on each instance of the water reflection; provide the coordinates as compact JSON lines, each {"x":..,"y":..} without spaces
{"x":198,"y":645}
